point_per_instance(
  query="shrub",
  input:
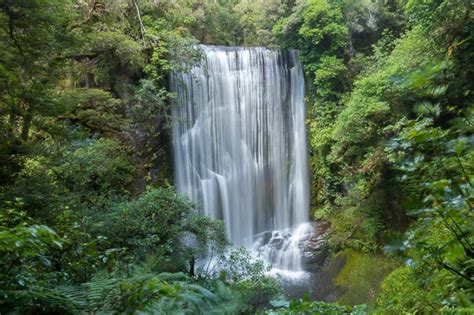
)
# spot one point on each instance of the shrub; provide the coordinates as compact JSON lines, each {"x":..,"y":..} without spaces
{"x":154,"y":224}
{"x":305,"y":306}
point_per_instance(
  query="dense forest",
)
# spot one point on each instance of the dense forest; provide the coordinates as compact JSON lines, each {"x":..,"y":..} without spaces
{"x":90,"y":221}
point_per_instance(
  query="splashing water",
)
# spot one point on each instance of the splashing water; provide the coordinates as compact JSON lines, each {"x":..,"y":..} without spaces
{"x":281,"y":249}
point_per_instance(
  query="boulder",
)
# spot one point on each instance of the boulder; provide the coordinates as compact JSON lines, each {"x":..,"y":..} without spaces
{"x":315,"y":247}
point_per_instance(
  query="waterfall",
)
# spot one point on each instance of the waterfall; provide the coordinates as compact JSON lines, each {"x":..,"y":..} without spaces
{"x":240,"y":145}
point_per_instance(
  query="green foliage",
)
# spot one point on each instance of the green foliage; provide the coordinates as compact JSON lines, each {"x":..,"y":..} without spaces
{"x":369,"y":20}
{"x":84,"y":97}
{"x":430,"y":156}
{"x":316,"y":28}
{"x":322,"y":28}
{"x":26,"y":264}
{"x":400,"y":293}
{"x":389,"y":131}
{"x":305,"y":306}
{"x":32,"y":36}
{"x":85,"y":174}
{"x":142,"y":291}
{"x":440,"y":242}
{"x":214,"y":22}
{"x":256,"y":19}
{"x":32,"y":282}
{"x":403,"y":292}
{"x":96,"y":110}
{"x":26,"y":288}
{"x":248,"y":276}
{"x":151,"y":118}
{"x":154,"y":223}
{"x":101,"y":166}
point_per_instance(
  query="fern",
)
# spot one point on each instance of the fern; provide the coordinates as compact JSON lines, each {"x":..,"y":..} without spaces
{"x":38,"y":299}
{"x":172,"y":277}
{"x":99,"y":291}
{"x":148,"y":293}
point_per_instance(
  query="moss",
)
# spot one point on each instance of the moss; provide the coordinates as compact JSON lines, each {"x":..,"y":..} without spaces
{"x":403,"y":292}
{"x":362,"y":276}
{"x":400,"y":294}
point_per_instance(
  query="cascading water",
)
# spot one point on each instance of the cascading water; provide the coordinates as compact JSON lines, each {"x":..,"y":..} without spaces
{"x":240,"y":147}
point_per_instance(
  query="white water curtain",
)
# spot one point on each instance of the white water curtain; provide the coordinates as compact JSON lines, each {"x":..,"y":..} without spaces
{"x":239,"y":139}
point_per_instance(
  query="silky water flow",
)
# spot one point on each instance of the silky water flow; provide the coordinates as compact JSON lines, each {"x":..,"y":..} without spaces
{"x":239,"y":147}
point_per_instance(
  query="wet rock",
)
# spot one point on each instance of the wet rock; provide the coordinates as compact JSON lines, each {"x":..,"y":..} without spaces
{"x":314,"y":260}
{"x":315,"y":247}
{"x":277,"y":243}
{"x":264,"y":237}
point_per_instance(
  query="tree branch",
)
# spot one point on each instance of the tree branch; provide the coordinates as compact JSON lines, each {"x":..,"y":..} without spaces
{"x":11,"y":29}
{"x":456,"y":272}
{"x":142,"y":28}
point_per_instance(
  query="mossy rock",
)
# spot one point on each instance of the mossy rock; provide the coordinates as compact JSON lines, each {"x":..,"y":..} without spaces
{"x":362,"y":276}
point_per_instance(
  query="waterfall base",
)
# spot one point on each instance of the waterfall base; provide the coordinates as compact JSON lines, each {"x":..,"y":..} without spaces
{"x":283,"y":250}
{"x":294,"y":255}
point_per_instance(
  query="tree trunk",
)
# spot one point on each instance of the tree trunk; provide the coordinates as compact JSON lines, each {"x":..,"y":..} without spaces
{"x":25,"y":130}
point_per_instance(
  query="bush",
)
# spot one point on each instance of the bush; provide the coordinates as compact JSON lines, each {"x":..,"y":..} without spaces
{"x":154,"y":224}
{"x":305,"y":306}
{"x":399,"y":294}
{"x":95,"y":169}
{"x":248,"y":275}
{"x":26,"y":267}
{"x":82,"y":176}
